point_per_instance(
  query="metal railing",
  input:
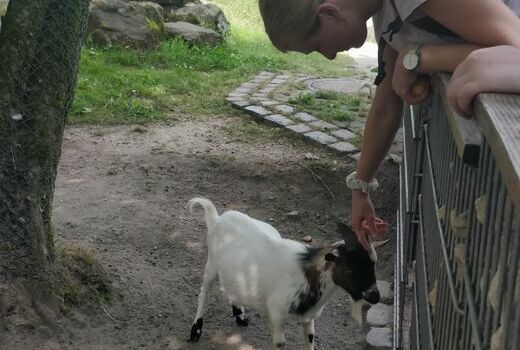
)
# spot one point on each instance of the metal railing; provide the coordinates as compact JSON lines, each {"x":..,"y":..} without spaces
{"x":459,"y":225}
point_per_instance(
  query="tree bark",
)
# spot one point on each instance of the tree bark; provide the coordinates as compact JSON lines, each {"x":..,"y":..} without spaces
{"x":40,"y":43}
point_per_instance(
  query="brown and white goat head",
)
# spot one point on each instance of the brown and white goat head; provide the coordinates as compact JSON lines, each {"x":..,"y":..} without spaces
{"x":353,"y":267}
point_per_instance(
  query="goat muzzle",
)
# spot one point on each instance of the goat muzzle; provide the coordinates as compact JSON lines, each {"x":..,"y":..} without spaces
{"x":371,"y":295}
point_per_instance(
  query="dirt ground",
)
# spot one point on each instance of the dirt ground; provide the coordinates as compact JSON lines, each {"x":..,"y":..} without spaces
{"x":122,"y":194}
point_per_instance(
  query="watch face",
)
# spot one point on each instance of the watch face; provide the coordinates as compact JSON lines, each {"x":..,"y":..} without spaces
{"x":410,"y":61}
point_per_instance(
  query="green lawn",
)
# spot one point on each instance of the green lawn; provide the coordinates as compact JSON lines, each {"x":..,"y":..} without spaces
{"x":117,"y":85}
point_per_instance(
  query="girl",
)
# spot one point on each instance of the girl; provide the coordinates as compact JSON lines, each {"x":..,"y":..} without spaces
{"x":416,"y":37}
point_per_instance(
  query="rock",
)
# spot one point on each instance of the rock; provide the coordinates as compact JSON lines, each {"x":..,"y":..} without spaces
{"x":385,"y":291}
{"x":379,"y":339}
{"x":193,"y":34}
{"x":394,"y":158}
{"x":380,"y":315}
{"x":204,"y":15}
{"x":133,"y":24}
{"x":3,"y":7}
{"x":293,"y":213}
{"x":307,"y":239}
{"x":3,"y":10}
{"x":311,"y":156}
{"x":172,"y":3}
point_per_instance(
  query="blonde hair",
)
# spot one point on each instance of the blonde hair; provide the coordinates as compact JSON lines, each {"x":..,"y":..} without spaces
{"x":289,"y":20}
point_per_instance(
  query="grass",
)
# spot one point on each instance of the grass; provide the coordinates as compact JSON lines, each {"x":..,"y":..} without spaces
{"x":80,"y":278}
{"x":331,"y":105}
{"x":117,"y":85}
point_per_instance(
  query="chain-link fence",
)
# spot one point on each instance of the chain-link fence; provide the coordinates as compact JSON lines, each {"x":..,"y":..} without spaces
{"x":40,"y":43}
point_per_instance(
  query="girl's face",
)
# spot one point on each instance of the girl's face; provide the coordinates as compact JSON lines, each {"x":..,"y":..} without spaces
{"x":339,"y":31}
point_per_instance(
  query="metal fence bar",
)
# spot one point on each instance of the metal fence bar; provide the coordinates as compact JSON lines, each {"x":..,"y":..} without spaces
{"x":511,"y":284}
{"x":462,"y":226}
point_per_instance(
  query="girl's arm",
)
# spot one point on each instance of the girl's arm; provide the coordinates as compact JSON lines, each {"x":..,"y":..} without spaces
{"x":482,"y":23}
{"x":382,"y":124}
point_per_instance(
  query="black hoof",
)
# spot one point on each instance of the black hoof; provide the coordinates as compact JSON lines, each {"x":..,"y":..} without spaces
{"x":242,"y":321}
{"x":196,"y":330}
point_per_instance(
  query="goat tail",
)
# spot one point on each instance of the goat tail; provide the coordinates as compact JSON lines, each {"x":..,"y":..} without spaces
{"x":209,"y":210}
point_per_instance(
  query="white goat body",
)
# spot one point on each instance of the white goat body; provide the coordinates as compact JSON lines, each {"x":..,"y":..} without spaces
{"x":259,"y":269}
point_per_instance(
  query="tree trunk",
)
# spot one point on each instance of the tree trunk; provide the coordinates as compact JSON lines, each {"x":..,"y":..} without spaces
{"x":40,"y":43}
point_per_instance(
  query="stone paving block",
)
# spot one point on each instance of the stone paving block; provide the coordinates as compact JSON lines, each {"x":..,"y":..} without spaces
{"x":379,"y":338}
{"x":247,"y":85}
{"x":240,"y":104}
{"x":397,"y":147}
{"x":342,"y":85}
{"x":284,"y":109}
{"x":399,"y":137}
{"x":341,"y":124}
{"x":344,"y":134}
{"x":299,"y":128}
{"x":258,"y":99}
{"x":321,"y":137}
{"x":257,"y":111}
{"x":344,"y":147}
{"x":380,"y":315}
{"x":269,"y":103}
{"x":386,"y":292}
{"x":305,"y":117}
{"x":265,"y":73}
{"x":356,"y":125}
{"x":241,"y":91}
{"x":237,"y":94}
{"x":278,"y":81}
{"x":234,"y":98}
{"x":395,"y":155}
{"x":279,"y":119}
{"x":320,"y":124}
{"x":260,"y":95}
{"x":266,"y":90}
{"x":258,"y":81}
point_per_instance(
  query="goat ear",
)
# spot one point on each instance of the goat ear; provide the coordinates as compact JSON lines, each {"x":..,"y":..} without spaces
{"x":332,"y":256}
{"x":349,"y":236}
{"x":380,"y":243}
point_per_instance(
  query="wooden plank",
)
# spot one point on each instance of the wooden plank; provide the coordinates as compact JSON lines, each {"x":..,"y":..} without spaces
{"x":499,"y":119}
{"x":466,"y":132}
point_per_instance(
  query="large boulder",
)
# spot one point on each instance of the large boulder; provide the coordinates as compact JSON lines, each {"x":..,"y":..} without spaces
{"x":3,"y":7}
{"x":173,"y":3}
{"x":133,"y":24}
{"x":3,"y":10}
{"x":205,"y":15}
{"x":192,"y":33}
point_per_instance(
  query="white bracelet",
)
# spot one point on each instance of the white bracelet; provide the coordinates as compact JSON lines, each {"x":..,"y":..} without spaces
{"x":357,"y":184}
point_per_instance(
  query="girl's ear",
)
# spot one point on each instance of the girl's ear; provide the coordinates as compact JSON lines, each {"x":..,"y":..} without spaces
{"x":326,"y":9}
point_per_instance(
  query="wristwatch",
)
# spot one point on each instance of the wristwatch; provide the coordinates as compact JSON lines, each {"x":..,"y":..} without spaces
{"x":413,"y":58}
{"x":357,"y":184}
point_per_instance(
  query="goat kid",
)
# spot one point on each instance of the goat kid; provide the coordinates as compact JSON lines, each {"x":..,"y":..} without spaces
{"x":284,"y":278}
